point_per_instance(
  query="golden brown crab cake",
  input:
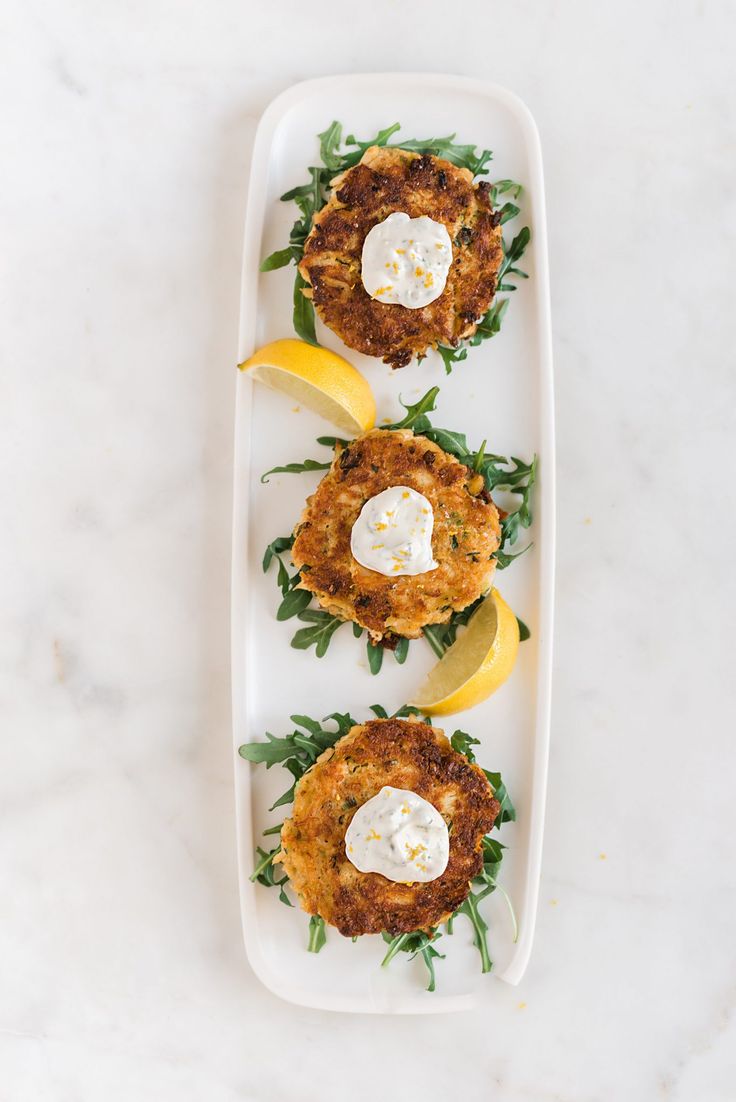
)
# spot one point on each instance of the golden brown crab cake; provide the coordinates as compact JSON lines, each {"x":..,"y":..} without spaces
{"x":404,"y":753}
{"x":383,"y":182}
{"x":466,"y":535}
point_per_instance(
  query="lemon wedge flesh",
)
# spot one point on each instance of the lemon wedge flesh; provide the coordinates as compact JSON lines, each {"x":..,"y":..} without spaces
{"x":476,"y":664}
{"x":318,"y":379}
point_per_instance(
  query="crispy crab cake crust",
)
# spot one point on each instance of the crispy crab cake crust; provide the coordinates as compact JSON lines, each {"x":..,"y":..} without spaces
{"x":466,"y":535}
{"x":385,"y":181}
{"x":406,"y":754}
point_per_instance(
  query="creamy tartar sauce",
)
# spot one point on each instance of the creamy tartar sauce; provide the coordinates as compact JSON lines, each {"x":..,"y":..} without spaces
{"x":400,"y":835}
{"x":393,"y":533}
{"x":406,"y":260}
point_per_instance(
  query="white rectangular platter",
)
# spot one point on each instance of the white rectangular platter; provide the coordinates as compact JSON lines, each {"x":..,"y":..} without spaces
{"x":502,"y":392}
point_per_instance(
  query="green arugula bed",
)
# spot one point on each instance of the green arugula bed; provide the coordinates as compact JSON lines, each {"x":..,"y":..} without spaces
{"x":312,"y":196}
{"x":499,"y":473}
{"x":297,"y":752}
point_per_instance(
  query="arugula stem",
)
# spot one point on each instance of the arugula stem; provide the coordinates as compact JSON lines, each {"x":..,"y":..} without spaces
{"x":426,"y":955}
{"x":416,"y":414}
{"x":394,"y":948}
{"x":429,"y":631}
{"x":263,"y":864}
{"x":470,"y":908}
{"x":317,"y":935}
{"x":512,"y":912}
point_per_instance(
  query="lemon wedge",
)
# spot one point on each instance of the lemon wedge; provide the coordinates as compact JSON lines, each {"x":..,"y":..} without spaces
{"x":476,"y":664}
{"x":318,"y":379}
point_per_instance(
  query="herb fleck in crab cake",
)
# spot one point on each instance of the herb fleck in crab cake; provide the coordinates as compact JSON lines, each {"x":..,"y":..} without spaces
{"x":320,"y":839}
{"x":337,"y":261}
{"x":399,"y":534}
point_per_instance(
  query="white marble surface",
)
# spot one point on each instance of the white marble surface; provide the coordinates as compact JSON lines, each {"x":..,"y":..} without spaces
{"x":125,"y":135}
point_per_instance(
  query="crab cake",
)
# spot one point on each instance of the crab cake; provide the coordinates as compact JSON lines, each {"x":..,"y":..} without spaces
{"x":405,"y":754}
{"x":384,"y":182}
{"x":465,"y":538}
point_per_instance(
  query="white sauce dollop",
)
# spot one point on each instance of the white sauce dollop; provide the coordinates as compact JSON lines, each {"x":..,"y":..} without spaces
{"x":406,"y":260}
{"x":400,"y":835}
{"x":393,"y":533}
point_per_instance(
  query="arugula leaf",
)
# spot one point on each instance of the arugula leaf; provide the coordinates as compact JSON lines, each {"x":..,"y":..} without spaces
{"x":480,"y":930}
{"x":298,"y":751}
{"x":504,"y":559}
{"x":418,"y":943}
{"x":428,"y":952}
{"x":498,"y":477}
{"x":317,"y":934}
{"x":453,"y":442}
{"x":280,"y":258}
{"x":490,"y":323}
{"x":376,"y":652}
{"x":409,"y":710}
{"x":265,"y":860}
{"x":503,"y":187}
{"x":492,"y":858}
{"x":267,"y":876}
{"x":296,"y":771}
{"x":416,"y":414}
{"x":507,"y":814}
{"x":381,"y":138}
{"x":451,"y":356}
{"x":307,"y":723}
{"x":461,"y":741}
{"x":434,"y":634}
{"x":508,"y":211}
{"x":297,"y":468}
{"x":441,"y":636}
{"x":487,"y":880}
{"x":344,"y":723}
{"x":375,"y":656}
{"x":300,"y":468}
{"x":513,"y":253}
{"x":319,"y":634}
{"x":295,"y":601}
{"x":521,"y":517}
{"x":329,"y":143}
{"x":275,"y":548}
{"x":304,"y":312}
{"x":332,"y":441}
{"x":275,"y":750}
